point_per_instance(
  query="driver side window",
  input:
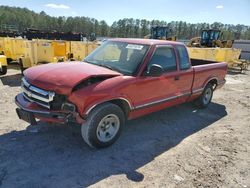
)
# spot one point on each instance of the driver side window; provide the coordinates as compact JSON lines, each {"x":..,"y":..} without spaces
{"x":165,"y":57}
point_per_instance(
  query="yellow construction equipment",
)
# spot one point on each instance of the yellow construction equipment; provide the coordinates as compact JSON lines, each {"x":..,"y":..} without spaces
{"x":161,"y":33}
{"x":38,"y":51}
{"x":46,"y":51}
{"x":210,"y":47}
{"x":215,"y":54}
{"x":79,"y":49}
{"x":43,"y":51}
{"x":229,"y":55}
{"x":3,"y":65}
{"x":210,"y":38}
{"x":12,"y":48}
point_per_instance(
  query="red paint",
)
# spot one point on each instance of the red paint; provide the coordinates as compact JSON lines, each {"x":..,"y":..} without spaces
{"x":138,"y":90}
{"x":62,"y":77}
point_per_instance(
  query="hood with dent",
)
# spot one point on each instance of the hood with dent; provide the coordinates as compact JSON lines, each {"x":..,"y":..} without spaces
{"x":63,"y":77}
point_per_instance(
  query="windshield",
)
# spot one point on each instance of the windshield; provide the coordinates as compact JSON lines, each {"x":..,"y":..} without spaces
{"x":118,"y":56}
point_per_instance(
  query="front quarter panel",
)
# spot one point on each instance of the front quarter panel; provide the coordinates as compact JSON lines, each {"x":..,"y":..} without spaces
{"x":90,"y":96}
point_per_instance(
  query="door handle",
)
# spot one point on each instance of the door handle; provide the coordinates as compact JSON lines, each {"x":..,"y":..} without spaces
{"x":177,"y":78}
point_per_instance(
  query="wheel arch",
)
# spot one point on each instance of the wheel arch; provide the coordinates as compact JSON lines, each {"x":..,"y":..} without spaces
{"x":123,"y":103}
{"x":213,"y":81}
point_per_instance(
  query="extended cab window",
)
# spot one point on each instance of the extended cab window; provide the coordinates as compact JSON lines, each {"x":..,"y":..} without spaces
{"x":165,"y":57}
{"x":183,"y":57}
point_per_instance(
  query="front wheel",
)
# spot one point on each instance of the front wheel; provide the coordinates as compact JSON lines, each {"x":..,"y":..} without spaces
{"x":206,"y":97}
{"x":103,"y":126}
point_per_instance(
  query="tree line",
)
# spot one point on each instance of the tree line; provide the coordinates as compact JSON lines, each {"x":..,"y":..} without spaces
{"x":22,"y":18}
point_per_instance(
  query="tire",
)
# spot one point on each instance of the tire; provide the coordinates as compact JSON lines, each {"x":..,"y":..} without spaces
{"x":103,"y":126}
{"x":204,"y":100}
{"x":9,"y":60}
{"x":3,"y":70}
{"x":21,"y":66}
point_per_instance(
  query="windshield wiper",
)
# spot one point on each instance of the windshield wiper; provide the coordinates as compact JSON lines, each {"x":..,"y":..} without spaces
{"x":111,"y":68}
{"x":106,"y":66}
{"x":87,"y":61}
{"x":103,"y":65}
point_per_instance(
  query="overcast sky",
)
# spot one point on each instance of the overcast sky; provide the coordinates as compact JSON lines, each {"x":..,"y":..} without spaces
{"x":193,"y":11}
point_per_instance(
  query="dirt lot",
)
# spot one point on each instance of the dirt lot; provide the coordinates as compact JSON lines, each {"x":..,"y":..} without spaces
{"x":177,"y":147}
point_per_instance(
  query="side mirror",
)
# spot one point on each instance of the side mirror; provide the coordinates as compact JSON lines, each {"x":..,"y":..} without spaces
{"x":155,"y":70}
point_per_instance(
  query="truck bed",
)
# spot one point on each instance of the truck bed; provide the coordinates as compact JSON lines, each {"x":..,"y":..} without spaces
{"x":196,"y":62}
{"x":205,"y":70}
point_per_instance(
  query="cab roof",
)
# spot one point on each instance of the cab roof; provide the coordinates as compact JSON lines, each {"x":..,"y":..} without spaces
{"x":146,"y":41}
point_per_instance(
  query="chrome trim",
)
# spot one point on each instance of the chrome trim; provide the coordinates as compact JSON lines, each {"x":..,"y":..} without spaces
{"x":198,"y":90}
{"x":213,"y":78}
{"x":30,"y":94}
{"x":33,"y":93}
{"x":29,"y":99}
{"x":91,"y":108}
{"x":201,"y":89}
{"x":155,"y":102}
{"x":37,"y":90}
{"x":162,"y":100}
{"x":25,"y":82}
{"x":29,"y":110}
{"x":129,"y":104}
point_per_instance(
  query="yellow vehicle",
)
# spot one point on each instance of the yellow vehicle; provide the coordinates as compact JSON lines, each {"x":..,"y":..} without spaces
{"x":210,"y":47}
{"x":232,"y":57}
{"x":215,"y":54}
{"x":229,"y":55}
{"x":47,"y":51}
{"x":3,"y":65}
{"x":43,"y":51}
{"x":210,"y":38}
{"x":12,"y":48}
{"x":161,"y":33}
{"x":79,"y":50}
{"x":37,"y":51}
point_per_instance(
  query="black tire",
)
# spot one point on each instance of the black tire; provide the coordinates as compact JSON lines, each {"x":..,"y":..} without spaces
{"x":90,"y":128}
{"x":3,"y":70}
{"x":204,"y":100}
{"x":21,"y":66}
{"x":9,"y":60}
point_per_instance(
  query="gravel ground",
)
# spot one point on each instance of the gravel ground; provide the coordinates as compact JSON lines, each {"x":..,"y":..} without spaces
{"x":178,"y":147}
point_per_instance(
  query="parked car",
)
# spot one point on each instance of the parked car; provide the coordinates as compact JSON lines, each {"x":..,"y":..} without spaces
{"x":121,"y":80}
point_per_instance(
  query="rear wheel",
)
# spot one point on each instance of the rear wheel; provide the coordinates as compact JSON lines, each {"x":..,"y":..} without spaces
{"x":206,"y":97}
{"x":3,"y":70}
{"x":103,"y":126}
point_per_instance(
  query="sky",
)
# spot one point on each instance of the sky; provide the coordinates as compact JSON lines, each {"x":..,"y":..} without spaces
{"x":191,"y":11}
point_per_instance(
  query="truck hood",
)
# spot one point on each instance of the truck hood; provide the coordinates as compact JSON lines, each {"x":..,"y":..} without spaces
{"x":63,"y":77}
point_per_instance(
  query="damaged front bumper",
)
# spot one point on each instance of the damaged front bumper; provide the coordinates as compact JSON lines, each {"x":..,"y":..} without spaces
{"x":30,"y":111}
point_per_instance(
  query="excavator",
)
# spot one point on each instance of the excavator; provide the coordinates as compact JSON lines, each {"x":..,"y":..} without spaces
{"x":210,"y":38}
{"x":160,"y":33}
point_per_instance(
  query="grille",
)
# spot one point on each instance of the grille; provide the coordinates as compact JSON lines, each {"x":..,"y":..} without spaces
{"x":37,"y":95}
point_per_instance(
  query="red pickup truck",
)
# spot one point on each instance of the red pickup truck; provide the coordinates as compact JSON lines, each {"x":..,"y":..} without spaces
{"x":121,"y":80}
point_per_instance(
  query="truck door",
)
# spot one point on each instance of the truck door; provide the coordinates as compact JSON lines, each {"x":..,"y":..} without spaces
{"x":153,"y":91}
{"x":185,"y":74}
